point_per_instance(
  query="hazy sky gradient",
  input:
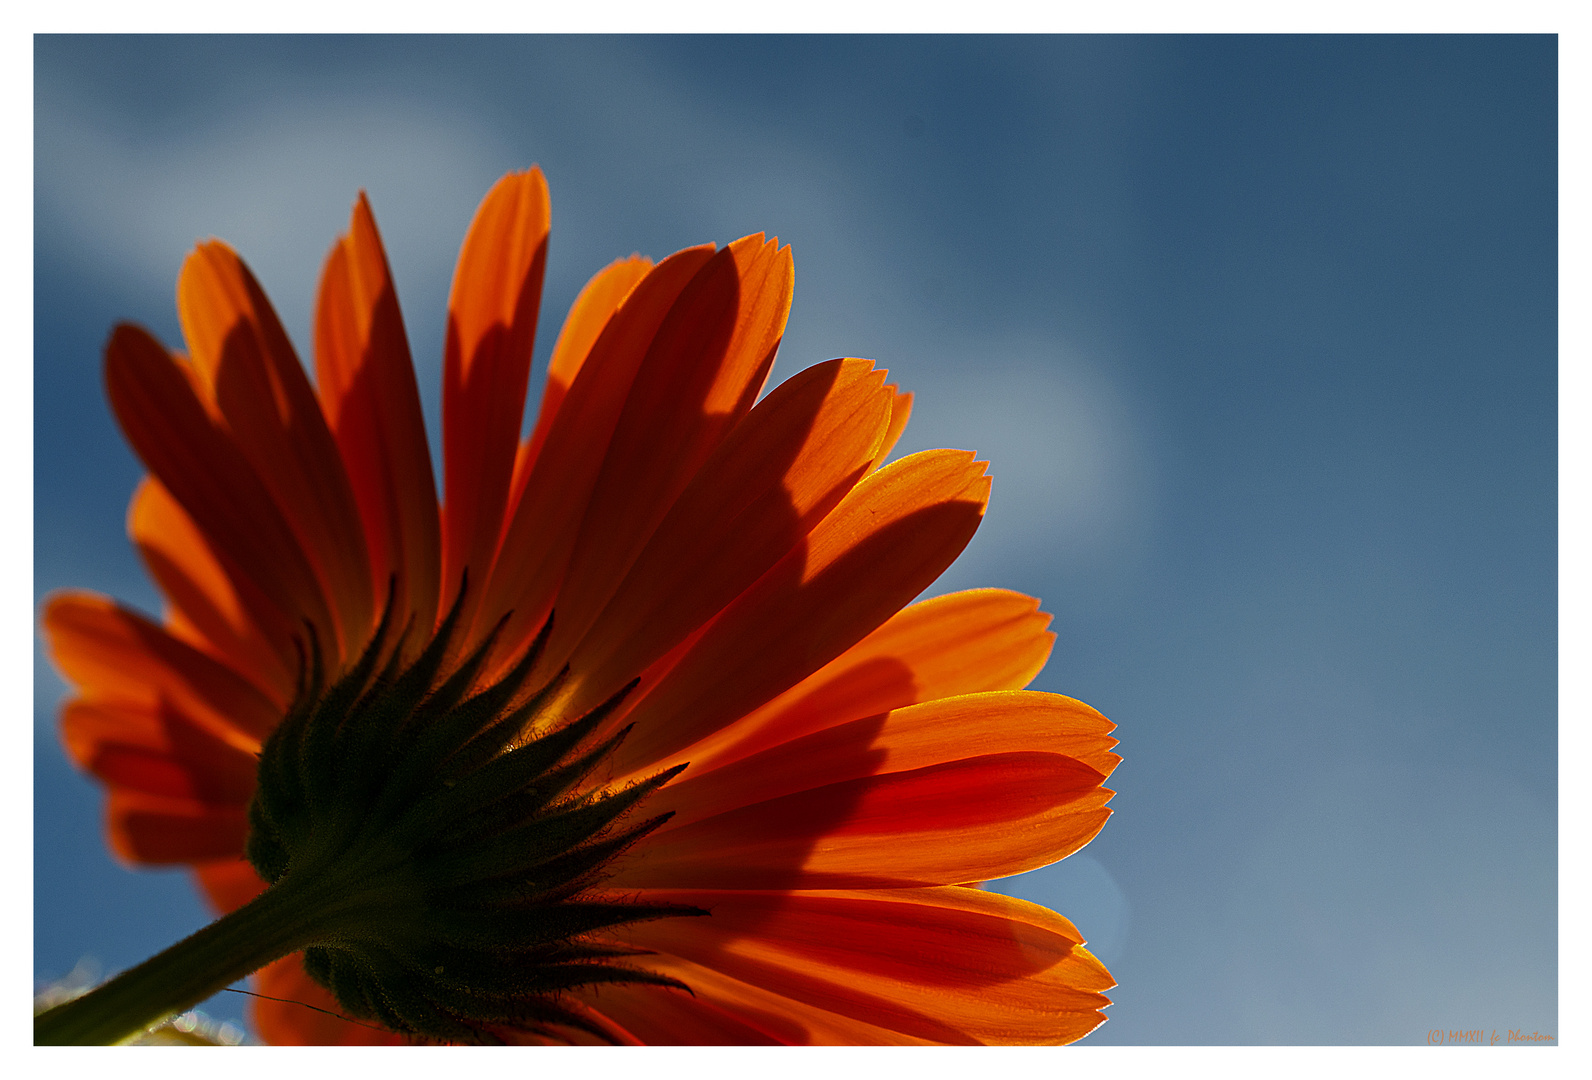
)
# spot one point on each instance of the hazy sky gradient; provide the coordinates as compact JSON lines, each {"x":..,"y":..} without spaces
{"x":1258,"y":333}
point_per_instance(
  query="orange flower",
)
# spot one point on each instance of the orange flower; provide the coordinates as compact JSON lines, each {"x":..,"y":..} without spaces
{"x":853,"y":762}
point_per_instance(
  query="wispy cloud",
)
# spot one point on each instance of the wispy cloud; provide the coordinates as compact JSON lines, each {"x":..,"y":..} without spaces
{"x":275,"y":180}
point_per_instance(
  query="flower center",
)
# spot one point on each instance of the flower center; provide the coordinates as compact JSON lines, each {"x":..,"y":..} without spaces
{"x":455,"y":862}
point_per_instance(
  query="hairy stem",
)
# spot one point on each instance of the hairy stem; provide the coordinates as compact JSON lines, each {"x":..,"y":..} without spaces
{"x":283,"y":919}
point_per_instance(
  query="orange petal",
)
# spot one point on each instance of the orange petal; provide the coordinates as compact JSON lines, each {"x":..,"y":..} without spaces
{"x":703,"y":372}
{"x":915,"y":737}
{"x":675,"y":1018}
{"x":961,"y":643}
{"x":773,"y":478}
{"x":886,"y":541}
{"x":210,"y":609}
{"x":114,"y":654}
{"x":570,"y":1036}
{"x":900,"y":410}
{"x":155,"y":401}
{"x":367,"y":383}
{"x":158,"y":751}
{"x":252,"y":377}
{"x":541,"y":536}
{"x":492,"y":310}
{"x":155,"y":830}
{"x":592,"y":309}
{"x":296,"y":1011}
{"x":228,"y":884}
{"x":949,"y":965}
{"x":721,"y":1011}
{"x":971,"y":819}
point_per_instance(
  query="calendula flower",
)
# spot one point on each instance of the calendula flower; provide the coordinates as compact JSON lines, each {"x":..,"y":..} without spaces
{"x":634,"y":736}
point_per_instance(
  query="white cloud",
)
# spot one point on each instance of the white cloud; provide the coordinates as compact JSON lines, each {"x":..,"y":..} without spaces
{"x":1071,"y":484}
{"x":276,"y":181}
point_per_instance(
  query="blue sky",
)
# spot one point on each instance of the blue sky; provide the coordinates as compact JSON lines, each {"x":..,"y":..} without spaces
{"x":1258,"y":333}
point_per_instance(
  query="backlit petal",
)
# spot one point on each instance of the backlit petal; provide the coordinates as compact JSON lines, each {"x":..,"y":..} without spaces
{"x":914,"y":737}
{"x":162,"y":831}
{"x":777,"y":475}
{"x":209,"y":608}
{"x":492,"y":311}
{"x":961,"y":643}
{"x":114,"y":654}
{"x":882,"y":545}
{"x":228,"y":884}
{"x":367,"y":384}
{"x":900,"y":411}
{"x":295,"y":1011}
{"x":722,"y":1011}
{"x":541,"y":537}
{"x":677,"y":1018}
{"x":591,"y":311}
{"x":700,"y":376}
{"x":252,"y":378}
{"x":971,"y":819}
{"x":158,"y":751}
{"x":949,"y":965}
{"x":155,"y":401}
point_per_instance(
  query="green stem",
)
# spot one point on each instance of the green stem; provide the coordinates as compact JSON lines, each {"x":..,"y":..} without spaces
{"x":281,"y":920}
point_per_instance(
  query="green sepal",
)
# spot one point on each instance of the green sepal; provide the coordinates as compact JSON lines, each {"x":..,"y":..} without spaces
{"x":264,"y":848}
{"x":542,"y":839}
{"x":531,"y":800}
{"x":318,"y":745}
{"x":521,"y":929}
{"x":458,"y":853}
{"x":556,"y":879}
{"x":510,"y":772}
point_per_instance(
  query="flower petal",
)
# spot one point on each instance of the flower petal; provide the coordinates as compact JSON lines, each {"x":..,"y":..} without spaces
{"x":773,"y":478}
{"x":541,"y":536}
{"x":164,"y":419}
{"x":566,"y":1035}
{"x":160,"y":831}
{"x":676,"y":1018}
{"x":367,"y":383}
{"x":114,"y":654}
{"x":208,"y":607}
{"x":158,"y":751}
{"x":949,"y":964}
{"x":295,"y":1011}
{"x":492,"y":310}
{"x":900,"y":411}
{"x":228,"y":884}
{"x":592,"y":309}
{"x":960,"y":643}
{"x":914,"y":737}
{"x":886,"y":541}
{"x":702,"y":373}
{"x":721,"y":1011}
{"x":972,"y":819}
{"x":253,"y":379}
